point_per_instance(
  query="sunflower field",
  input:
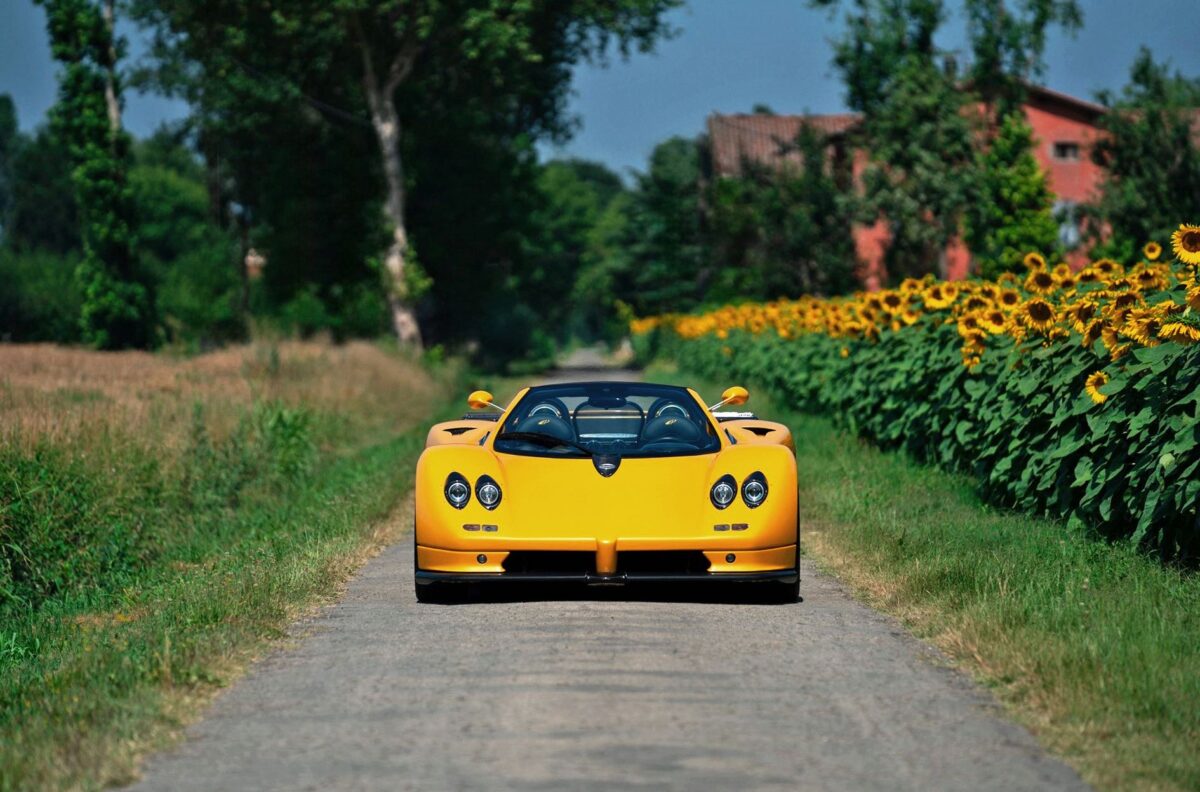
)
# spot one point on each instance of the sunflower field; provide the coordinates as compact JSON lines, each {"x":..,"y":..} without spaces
{"x":1069,"y":394}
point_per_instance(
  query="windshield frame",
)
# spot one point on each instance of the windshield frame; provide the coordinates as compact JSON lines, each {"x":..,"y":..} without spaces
{"x":536,"y":391}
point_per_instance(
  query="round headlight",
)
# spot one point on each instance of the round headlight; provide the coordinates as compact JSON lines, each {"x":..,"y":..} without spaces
{"x":724,"y":491}
{"x":458,"y":491}
{"x":488,"y":492}
{"x":754,"y":489}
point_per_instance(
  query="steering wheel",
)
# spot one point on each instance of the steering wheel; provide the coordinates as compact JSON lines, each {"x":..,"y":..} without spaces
{"x":549,"y":406}
{"x":666,"y":407}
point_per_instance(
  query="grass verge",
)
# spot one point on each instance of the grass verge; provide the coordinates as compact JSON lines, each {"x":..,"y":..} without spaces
{"x":1091,"y":645}
{"x":196,"y":509}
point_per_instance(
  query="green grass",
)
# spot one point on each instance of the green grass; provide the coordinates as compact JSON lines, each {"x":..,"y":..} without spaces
{"x":1093,"y":646}
{"x":137,"y":578}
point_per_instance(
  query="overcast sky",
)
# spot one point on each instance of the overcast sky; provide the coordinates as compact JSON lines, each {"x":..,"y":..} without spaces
{"x":728,"y":56}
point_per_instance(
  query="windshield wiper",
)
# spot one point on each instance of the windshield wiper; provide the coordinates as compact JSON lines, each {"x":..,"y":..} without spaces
{"x":546,"y":440}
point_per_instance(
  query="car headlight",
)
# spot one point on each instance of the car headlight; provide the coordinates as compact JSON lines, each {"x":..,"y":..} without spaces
{"x":754,"y":489}
{"x":458,"y":490}
{"x":488,"y":492}
{"x":724,"y":491}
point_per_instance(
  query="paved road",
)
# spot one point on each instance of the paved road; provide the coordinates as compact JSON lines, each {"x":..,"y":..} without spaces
{"x":561,"y":689}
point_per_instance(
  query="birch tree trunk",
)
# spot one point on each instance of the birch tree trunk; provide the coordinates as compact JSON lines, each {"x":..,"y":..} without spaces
{"x":386,"y":121}
{"x":110,"y":76}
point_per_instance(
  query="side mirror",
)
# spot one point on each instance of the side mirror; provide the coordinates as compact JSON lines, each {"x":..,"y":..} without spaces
{"x":735,"y":396}
{"x":732,"y":397}
{"x":480,"y":400}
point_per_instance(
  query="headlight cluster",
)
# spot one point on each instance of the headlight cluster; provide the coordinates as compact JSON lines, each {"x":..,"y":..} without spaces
{"x":458,"y":491}
{"x":754,"y":490}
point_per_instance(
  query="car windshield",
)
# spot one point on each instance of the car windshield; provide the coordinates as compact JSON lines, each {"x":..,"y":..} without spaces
{"x":627,"y":419}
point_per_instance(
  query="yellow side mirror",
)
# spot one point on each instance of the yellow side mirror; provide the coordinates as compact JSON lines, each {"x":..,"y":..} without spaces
{"x":480,"y":400}
{"x":732,"y":396}
{"x":735,"y":396}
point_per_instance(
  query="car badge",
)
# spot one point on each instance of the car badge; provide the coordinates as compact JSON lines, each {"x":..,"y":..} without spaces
{"x":671,"y":421}
{"x":606,"y":465}
{"x":543,"y":422}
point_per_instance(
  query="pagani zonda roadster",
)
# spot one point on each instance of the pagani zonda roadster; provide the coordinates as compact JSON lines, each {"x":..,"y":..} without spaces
{"x":607,"y":483}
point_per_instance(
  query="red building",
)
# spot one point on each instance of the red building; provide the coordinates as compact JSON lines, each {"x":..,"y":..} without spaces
{"x":1064,"y":130}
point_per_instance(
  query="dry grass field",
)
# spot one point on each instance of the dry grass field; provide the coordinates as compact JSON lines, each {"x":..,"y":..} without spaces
{"x":77,"y":396}
{"x":161,"y":517}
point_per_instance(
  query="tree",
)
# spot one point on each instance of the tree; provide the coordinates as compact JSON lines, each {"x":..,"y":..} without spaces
{"x":914,"y":127}
{"x":1011,"y":211}
{"x":666,"y":266}
{"x":918,"y":180}
{"x":574,"y":195}
{"x":1008,"y":38}
{"x":1150,"y":159}
{"x":9,"y":140}
{"x":782,"y":233}
{"x":118,"y":307}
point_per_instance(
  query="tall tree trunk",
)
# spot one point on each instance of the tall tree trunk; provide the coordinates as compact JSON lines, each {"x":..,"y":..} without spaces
{"x":386,"y":121}
{"x":110,"y":78}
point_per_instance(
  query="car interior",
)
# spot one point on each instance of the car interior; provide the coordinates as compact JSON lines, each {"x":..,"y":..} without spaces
{"x":628,"y":419}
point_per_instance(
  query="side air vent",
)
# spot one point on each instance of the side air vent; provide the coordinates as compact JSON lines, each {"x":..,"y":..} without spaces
{"x":457,"y":430}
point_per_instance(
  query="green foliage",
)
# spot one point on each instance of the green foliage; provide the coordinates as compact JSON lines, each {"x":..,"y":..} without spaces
{"x":117,"y":304}
{"x":781,"y":233}
{"x":665,"y":265}
{"x":1020,"y":423}
{"x":1150,"y":158}
{"x":42,"y":212}
{"x":920,"y":174}
{"x":9,"y":138}
{"x":1007,"y":45}
{"x":1010,"y":213}
{"x":40,"y":300}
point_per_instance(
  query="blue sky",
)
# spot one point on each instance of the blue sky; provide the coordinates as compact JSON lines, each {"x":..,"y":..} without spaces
{"x":729,"y":55}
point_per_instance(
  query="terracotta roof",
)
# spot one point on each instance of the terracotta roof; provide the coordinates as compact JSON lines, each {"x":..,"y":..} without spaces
{"x":764,"y":138}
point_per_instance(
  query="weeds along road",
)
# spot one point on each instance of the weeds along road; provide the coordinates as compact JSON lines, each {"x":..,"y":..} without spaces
{"x":601,"y":688}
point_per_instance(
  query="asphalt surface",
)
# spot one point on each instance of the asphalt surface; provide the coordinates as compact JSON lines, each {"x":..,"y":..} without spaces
{"x":601,"y":688}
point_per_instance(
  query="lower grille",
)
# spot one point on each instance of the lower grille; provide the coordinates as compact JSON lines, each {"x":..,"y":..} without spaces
{"x":550,"y":562}
{"x":661,"y":562}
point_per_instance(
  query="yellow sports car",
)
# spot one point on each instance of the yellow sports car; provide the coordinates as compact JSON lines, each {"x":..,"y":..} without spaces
{"x":607,"y":483}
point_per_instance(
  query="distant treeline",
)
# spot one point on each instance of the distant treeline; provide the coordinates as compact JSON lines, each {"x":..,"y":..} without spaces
{"x":380,"y":159}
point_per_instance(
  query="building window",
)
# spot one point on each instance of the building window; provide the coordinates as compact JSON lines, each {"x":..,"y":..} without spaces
{"x":1066,"y":150}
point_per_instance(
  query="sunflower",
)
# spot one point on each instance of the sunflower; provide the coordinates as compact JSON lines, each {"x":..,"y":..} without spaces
{"x":1180,"y":333}
{"x":1143,"y":327}
{"x":1092,"y":332}
{"x":1152,"y":251}
{"x":1186,"y":244}
{"x":969,"y":326}
{"x":893,"y":301}
{"x":988,"y":291}
{"x":909,"y":316}
{"x":940,"y":296}
{"x":1009,"y":298}
{"x":1035,"y":261}
{"x":1095,"y":381}
{"x":1038,"y":314}
{"x":1040,"y":282}
{"x":1007,"y":279}
{"x":1088,"y":275}
{"x":1080,"y":314}
{"x":1106,"y":267}
{"x":1193,"y":298}
{"x":993,"y":321}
